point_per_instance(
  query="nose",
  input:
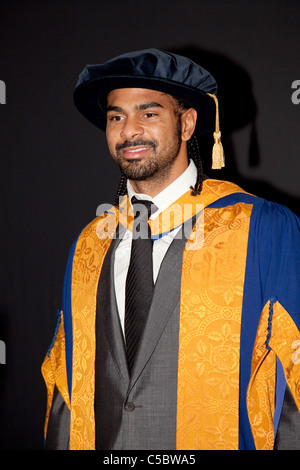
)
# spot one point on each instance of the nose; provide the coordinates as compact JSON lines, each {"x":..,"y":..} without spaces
{"x":131,"y":128}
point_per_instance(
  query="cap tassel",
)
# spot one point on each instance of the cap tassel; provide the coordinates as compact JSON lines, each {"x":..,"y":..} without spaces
{"x":218,"y":159}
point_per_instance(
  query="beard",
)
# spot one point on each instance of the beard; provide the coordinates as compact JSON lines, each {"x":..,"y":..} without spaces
{"x":158,"y":163}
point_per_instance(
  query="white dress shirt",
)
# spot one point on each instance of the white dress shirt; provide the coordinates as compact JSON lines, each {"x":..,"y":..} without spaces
{"x":162,"y":200}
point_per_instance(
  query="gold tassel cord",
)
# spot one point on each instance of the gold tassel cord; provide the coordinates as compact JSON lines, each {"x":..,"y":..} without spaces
{"x":218,"y":159}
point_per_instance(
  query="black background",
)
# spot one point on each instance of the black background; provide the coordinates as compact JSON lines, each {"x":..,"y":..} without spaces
{"x":55,"y":167}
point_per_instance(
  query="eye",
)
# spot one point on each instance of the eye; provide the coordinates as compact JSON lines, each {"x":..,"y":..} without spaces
{"x":115,"y":118}
{"x":150,"y":115}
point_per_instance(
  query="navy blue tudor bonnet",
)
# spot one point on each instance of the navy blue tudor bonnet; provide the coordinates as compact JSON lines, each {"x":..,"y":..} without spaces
{"x":151,"y":69}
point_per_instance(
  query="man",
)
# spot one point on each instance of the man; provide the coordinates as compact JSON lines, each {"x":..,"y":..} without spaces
{"x":185,"y":336}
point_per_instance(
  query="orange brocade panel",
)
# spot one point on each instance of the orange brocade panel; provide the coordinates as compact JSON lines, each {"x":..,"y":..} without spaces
{"x":209,"y":339}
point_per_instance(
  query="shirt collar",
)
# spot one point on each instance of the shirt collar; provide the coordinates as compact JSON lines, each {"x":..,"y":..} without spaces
{"x":170,"y":194}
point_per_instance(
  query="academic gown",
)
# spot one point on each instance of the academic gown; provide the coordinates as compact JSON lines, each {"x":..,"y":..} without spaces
{"x":238,"y":340}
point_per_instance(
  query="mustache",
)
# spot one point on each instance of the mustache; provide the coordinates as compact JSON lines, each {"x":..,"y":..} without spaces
{"x":135,"y":143}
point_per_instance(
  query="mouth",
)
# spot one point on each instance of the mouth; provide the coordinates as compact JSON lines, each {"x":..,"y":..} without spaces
{"x":135,"y":153}
{"x":135,"y":150}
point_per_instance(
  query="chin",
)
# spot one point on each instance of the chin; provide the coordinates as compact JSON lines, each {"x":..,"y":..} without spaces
{"x":139,"y":173}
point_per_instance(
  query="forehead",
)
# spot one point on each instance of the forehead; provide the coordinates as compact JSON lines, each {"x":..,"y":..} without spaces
{"x":136,"y":96}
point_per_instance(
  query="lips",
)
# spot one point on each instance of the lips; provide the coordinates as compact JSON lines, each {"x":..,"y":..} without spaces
{"x":134,"y":152}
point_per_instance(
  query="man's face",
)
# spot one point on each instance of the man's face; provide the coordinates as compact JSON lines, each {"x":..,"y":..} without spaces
{"x":144,"y":132}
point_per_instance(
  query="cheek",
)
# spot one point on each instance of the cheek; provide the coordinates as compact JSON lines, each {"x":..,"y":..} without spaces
{"x":160,"y":134}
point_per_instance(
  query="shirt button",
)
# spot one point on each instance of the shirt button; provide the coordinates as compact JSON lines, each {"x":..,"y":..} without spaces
{"x":129,"y":406}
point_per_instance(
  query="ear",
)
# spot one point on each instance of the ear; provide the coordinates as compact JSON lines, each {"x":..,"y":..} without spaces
{"x":188,"y":123}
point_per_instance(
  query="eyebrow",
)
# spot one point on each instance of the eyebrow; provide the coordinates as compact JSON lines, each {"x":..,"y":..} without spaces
{"x":140,"y":107}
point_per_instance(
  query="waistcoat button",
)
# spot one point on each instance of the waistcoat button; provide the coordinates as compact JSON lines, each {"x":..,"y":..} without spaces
{"x":129,"y":406}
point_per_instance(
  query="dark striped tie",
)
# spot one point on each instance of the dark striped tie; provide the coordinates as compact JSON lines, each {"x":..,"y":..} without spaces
{"x":139,"y":282}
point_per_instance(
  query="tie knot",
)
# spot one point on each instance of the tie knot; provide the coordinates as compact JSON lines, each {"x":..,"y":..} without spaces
{"x":142,"y":208}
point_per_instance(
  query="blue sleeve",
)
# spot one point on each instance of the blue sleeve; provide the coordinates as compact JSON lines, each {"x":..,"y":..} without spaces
{"x":281,"y":242}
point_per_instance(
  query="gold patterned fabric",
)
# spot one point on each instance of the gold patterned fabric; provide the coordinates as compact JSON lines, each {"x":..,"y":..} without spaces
{"x":209,"y":342}
{"x":54,"y":371}
{"x":283,"y":343}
